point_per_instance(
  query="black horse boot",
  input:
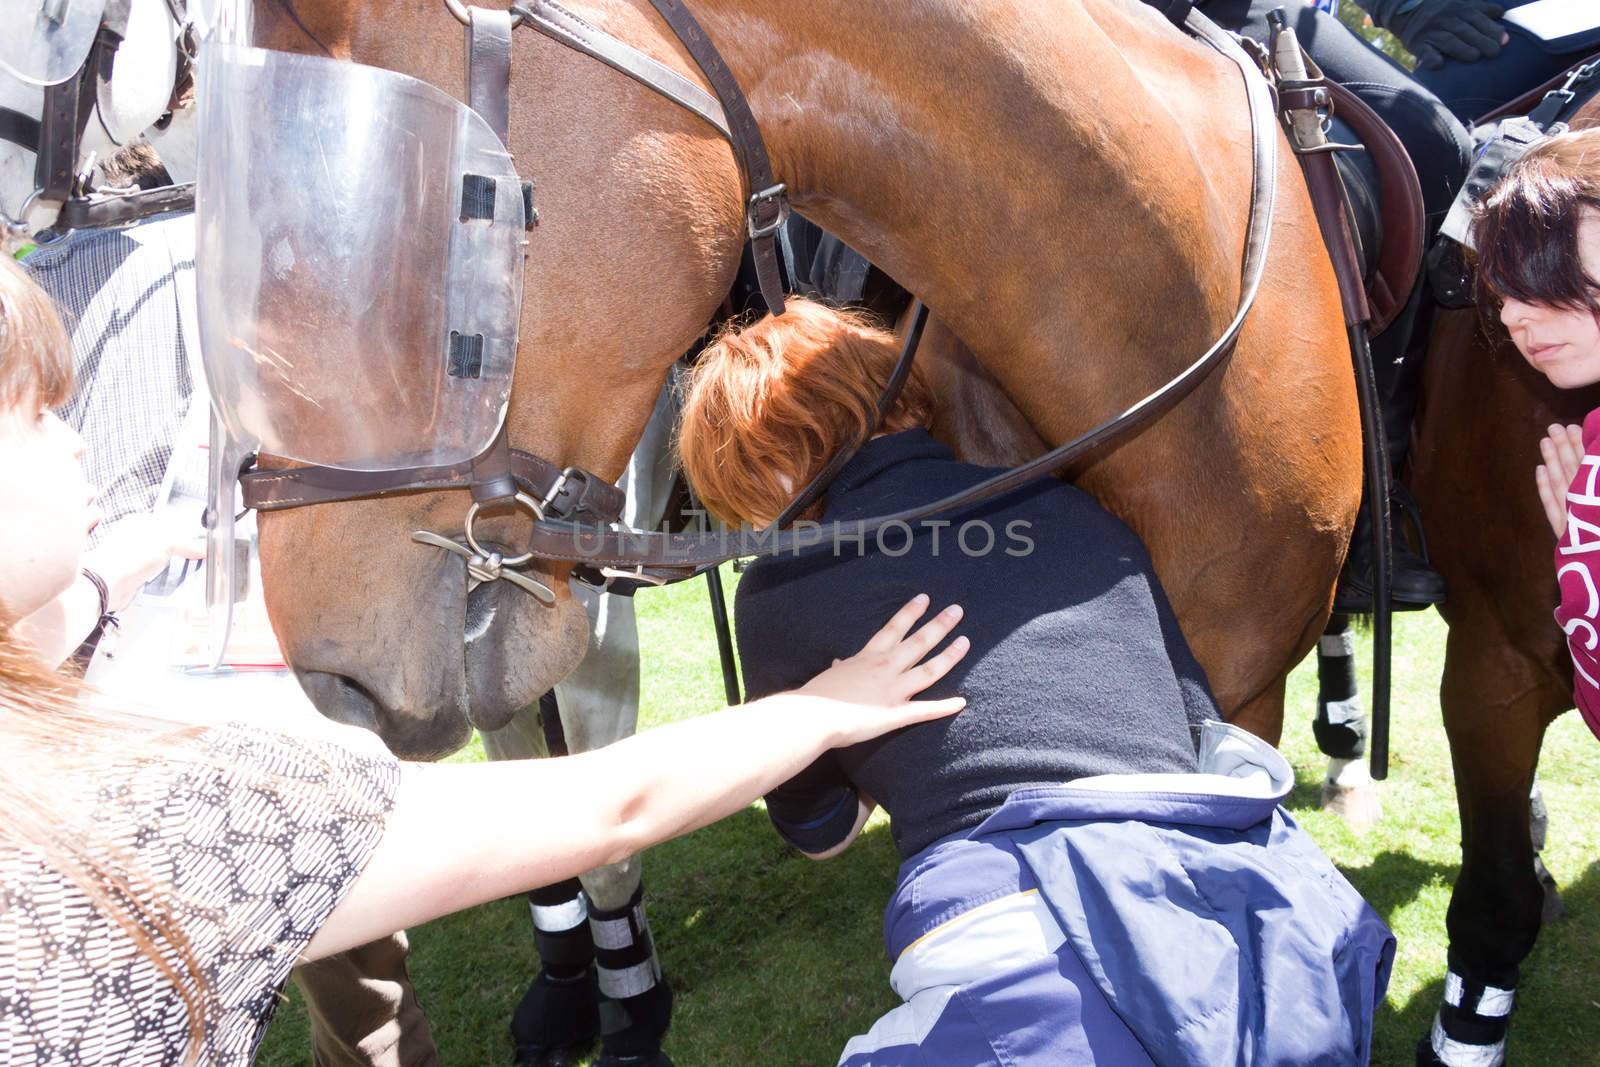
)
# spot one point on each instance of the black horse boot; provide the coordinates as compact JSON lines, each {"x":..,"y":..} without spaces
{"x":1413,"y":585}
{"x":559,"y":1017}
{"x":635,"y":1000}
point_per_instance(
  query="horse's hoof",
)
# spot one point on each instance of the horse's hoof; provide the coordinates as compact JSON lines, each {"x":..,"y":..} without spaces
{"x":1555,"y":909}
{"x":1426,"y":1057}
{"x":658,"y":1059}
{"x":1358,"y":805}
{"x":550,"y":1057}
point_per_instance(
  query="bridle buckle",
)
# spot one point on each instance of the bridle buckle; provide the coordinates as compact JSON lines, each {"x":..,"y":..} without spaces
{"x":773,"y":194}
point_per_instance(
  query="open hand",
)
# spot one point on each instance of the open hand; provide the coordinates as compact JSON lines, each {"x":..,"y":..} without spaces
{"x":134,"y":549}
{"x":890,"y":670}
{"x":1562,"y":450}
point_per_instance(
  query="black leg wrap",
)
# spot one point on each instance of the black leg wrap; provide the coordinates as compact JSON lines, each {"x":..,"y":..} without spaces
{"x":635,"y":1001}
{"x":1471,"y":1025}
{"x":561,"y":928}
{"x":1341,"y":724}
{"x":560,"y":1011}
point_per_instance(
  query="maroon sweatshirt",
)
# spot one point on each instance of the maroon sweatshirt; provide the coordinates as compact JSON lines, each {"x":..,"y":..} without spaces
{"x":1578,"y":573}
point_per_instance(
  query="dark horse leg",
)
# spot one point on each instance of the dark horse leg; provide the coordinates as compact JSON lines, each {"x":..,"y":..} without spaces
{"x":1507,"y":675}
{"x":1496,"y":909}
{"x":1341,"y":728}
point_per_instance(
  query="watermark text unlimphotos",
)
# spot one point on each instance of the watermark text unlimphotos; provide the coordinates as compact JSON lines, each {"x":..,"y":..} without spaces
{"x":972,"y":538}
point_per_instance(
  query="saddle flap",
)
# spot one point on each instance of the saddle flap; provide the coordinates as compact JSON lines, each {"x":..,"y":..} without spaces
{"x":1400,"y":203}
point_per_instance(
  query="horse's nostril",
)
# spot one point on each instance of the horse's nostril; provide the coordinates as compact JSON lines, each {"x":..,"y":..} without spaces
{"x":342,"y":698}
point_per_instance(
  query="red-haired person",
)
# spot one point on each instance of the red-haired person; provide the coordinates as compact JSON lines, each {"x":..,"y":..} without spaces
{"x":1096,"y":870}
{"x":1538,"y":240}
{"x":162,"y":869}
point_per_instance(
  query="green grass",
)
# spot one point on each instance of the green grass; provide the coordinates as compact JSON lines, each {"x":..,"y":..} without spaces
{"x":778,"y":960}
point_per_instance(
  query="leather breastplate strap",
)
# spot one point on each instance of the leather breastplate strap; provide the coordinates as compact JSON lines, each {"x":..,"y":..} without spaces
{"x":669,"y":556}
{"x":767,"y":207}
{"x":561,"y":25}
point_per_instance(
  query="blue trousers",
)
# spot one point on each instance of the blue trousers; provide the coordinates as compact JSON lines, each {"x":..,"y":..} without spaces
{"x":1475,"y":89}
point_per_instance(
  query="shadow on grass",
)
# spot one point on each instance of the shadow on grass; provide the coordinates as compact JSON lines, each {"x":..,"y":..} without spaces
{"x":1555,"y":1006}
{"x":1394,"y":879}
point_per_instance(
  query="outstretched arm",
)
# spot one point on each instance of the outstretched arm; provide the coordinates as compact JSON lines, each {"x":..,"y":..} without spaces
{"x":463,"y":835}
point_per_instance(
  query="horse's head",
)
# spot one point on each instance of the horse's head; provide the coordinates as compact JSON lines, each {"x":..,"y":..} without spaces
{"x":638,"y":236}
{"x":137,"y":94}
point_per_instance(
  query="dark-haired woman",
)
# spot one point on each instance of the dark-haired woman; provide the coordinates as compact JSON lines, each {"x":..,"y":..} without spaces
{"x":1538,"y":239}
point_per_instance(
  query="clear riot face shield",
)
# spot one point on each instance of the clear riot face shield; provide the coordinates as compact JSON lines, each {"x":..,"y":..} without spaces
{"x":45,"y":42}
{"x":359,"y":260}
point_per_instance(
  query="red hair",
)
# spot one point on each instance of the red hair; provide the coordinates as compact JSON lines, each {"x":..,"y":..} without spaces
{"x":768,"y":404}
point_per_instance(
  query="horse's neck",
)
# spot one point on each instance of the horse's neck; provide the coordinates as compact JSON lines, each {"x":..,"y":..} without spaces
{"x":1028,"y":169}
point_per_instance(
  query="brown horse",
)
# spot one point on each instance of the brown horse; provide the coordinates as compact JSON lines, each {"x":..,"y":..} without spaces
{"x":1065,"y":185}
{"x":1507,"y":674}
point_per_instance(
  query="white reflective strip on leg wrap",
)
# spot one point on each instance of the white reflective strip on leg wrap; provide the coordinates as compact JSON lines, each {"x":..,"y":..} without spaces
{"x":617,"y":933}
{"x":559,"y":918}
{"x":628,"y":981}
{"x":1343,"y":711}
{"x":1495,"y":1003}
{"x":1337,"y":644}
{"x":1460,"y":1054}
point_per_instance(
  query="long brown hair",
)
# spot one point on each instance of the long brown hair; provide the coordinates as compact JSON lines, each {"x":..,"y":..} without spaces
{"x":768,"y":404}
{"x":52,"y":734}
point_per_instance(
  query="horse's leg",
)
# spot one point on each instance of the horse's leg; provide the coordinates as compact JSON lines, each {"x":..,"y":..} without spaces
{"x":558,"y":1018}
{"x":599,"y":704}
{"x":1497,"y":702}
{"x":1341,"y":728}
{"x":1555,"y":909}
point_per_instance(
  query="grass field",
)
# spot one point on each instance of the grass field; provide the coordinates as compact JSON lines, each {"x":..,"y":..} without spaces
{"x":778,"y":960}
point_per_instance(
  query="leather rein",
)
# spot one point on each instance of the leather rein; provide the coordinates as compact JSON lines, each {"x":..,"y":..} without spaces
{"x":573,"y":508}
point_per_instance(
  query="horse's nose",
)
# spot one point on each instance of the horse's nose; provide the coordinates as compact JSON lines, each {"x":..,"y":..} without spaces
{"x":409,"y":733}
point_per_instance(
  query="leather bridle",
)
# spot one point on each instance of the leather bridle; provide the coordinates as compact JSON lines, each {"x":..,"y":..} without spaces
{"x":573,"y":508}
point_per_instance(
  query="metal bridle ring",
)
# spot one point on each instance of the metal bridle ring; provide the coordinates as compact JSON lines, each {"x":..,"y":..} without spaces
{"x":459,"y":10}
{"x":472,"y":513}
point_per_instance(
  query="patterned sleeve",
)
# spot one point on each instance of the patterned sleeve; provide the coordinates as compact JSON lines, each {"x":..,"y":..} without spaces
{"x":250,"y":837}
{"x":1578,"y":575}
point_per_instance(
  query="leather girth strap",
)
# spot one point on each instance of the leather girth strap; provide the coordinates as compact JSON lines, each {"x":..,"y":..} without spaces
{"x":668,"y":556}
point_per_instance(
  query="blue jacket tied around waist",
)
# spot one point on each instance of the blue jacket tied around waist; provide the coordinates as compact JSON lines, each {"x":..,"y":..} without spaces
{"x":1131,"y":919}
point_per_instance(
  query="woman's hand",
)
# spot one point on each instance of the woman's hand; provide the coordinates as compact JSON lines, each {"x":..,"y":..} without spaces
{"x":1562,"y":449}
{"x":881,"y":679}
{"x":134,"y":550}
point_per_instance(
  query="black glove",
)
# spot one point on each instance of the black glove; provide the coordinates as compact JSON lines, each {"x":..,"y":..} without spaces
{"x":1434,"y":30}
